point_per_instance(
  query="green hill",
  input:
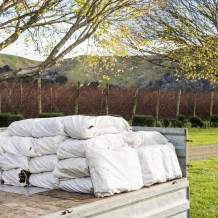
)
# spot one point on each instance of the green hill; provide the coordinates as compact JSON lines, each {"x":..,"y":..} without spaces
{"x":16,"y":62}
{"x":78,"y":69}
{"x":133,"y":72}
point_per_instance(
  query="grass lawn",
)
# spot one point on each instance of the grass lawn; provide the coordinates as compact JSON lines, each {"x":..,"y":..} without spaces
{"x":202,"y":136}
{"x":203,"y":178}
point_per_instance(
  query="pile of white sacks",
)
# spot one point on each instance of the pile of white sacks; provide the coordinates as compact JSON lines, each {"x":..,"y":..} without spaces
{"x":99,"y":155}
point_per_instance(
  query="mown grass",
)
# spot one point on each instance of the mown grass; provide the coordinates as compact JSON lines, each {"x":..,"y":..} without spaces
{"x":203,"y":178}
{"x":202,"y":136}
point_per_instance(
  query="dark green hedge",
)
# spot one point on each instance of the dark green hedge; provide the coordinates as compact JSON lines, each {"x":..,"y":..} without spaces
{"x":6,"y":119}
{"x":196,"y":121}
{"x":46,"y":115}
{"x":143,"y":120}
{"x":181,"y":118}
{"x":166,"y":122}
{"x":214,"y":121}
{"x":176,"y":123}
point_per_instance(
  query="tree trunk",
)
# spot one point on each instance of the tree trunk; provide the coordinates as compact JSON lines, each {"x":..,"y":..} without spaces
{"x":178,"y":103}
{"x":39,"y":94}
{"x":195,"y":103}
{"x":211,"y":103}
{"x":107,"y":100}
{"x":157,"y":105}
{"x":135,"y":102}
{"x":77,"y":98}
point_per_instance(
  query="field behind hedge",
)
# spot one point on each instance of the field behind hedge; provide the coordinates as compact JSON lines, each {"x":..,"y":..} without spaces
{"x":200,"y":136}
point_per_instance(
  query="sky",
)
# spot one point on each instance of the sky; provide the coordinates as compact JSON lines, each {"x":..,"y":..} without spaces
{"x":19,"y":49}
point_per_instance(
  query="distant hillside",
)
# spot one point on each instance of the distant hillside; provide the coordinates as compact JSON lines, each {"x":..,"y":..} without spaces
{"x":78,"y":70}
{"x":16,"y":62}
{"x":134,"y":73}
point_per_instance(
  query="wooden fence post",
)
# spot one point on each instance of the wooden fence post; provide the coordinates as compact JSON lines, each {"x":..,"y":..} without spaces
{"x":9,"y":96}
{"x":107,"y":100}
{"x":39,"y":93}
{"x":51,"y":98}
{"x":135,"y":102}
{"x":21,"y":98}
{"x":157,"y":105}
{"x":211,"y":103}
{"x":195,"y":104}
{"x":178,"y":103}
{"x":77,"y":98}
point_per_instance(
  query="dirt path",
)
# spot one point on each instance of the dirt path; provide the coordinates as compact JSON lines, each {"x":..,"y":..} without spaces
{"x":202,"y":152}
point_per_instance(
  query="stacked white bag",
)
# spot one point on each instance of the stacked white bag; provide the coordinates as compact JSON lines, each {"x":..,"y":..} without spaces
{"x":50,"y":134}
{"x":33,"y":147}
{"x":157,"y":157}
{"x":4,"y":135}
{"x":42,"y":166}
{"x":84,"y":154}
{"x":11,"y":164}
{"x":113,"y":169}
{"x":72,"y":169}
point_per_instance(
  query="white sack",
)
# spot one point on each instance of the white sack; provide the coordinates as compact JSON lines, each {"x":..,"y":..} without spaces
{"x":47,"y":127}
{"x":147,"y":138}
{"x":167,"y":162}
{"x":80,"y":185}
{"x":114,"y":170}
{"x":84,"y":127}
{"x":77,"y":148}
{"x":72,"y":148}
{"x":151,"y":160}
{"x":11,"y":177}
{"x":1,"y":171}
{"x":22,"y":128}
{"x":48,"y":145}
{"x":172,"y":166}
{"x":159,"y":163}
{"x":71,"y":168}
{"x":44,"y":163}
{"x":43,"y":180}
{"x":4,"y":136}
{"x":22,"y":146}
{"x":1,"y":150}
{"x":10,"y":161}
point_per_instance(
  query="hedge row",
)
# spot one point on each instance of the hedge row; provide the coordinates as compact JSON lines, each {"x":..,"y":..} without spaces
{"x":180,"y":121}
{"x":138,"y":120}
{"x":6,"y":119}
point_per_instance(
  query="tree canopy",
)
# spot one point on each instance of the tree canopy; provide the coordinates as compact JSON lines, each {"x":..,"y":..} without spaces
{"x":61,"y":24}
{"x":183,"y":34}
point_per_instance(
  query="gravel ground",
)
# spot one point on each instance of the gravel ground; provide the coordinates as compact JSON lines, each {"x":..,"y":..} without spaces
{"x":202,"y":152}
